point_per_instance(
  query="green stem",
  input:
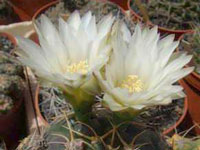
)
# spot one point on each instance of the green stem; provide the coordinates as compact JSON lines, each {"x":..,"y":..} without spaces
{"x":82,"y":104}
{"x":124,"y":116}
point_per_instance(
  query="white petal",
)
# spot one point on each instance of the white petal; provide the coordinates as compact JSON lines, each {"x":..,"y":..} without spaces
{"x":85,"y":20}
{"x":74,"y":20}
{"x":110,"y":102}
{"x":104,"y":26}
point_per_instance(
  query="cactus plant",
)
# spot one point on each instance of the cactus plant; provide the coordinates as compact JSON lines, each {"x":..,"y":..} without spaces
{"x":2,"y":145}
{"x":69,"y":134}
{"x":179,"y":142}
{"x":93,"y":54}
{"x":6,"y":104}
{"x":4,"y":58}
{"x":11,"y":84}
{"x":191,"y":44}
{"x":75,"y":4}
{"x":178,"y":14}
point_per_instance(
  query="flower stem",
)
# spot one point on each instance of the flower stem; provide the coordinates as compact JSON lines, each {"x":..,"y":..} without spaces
{"x":82,"y":104}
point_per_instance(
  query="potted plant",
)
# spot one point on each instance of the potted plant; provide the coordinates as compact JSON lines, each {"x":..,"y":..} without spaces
{"x":11,"y":89}
{"x":101,"y":64}
{"x":172,"y":17}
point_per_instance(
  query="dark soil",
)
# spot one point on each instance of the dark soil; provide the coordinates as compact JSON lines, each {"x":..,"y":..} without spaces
{"x":5,"y":44}
{"x":162,"y":117}
{"x":172,"y":14}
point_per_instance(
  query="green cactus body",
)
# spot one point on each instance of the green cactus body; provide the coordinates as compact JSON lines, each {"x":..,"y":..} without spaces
{"x":181,"y":143}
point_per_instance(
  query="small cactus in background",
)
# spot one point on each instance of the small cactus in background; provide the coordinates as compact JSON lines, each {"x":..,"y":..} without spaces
{"x":6,"y":104}
{"x":179,"y":142}
{"x":4,"y":58}
{"x":74,"y":4}
{"x":2,"y":145}
{"x":10,"y":84}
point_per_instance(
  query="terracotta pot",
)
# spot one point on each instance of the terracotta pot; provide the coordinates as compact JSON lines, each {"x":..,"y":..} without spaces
{"x":4,"y":21}
{"x":162,"y":30}
{"x":27,"y":8}
{"x":41,"y":118}
{"x":121,"y":3}
{"x":43,"y":8}
{"x":194,"y":80}
{"x":193,"y":103}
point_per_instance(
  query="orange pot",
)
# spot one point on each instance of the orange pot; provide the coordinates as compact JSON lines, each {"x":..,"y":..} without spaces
{"x":27,"y":8}
{"x":121,"y":3}
{"x":162,"y":30}
{"x":193,"y":103}
{"x":41,"y":118}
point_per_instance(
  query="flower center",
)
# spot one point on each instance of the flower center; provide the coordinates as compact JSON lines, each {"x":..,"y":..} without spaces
{"x":81,"y":67}
{"x":132,"y":83}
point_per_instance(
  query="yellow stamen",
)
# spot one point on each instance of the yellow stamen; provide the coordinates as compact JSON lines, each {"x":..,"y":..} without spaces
{"x":132,"y":83}
{"x":81,"y":67}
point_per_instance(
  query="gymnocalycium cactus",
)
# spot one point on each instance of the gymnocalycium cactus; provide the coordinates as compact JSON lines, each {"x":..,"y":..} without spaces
{"x":68,"y":134}
{"x":85,"y":57}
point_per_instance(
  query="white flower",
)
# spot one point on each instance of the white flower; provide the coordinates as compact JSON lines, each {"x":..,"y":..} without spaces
{"x":69,"y":55}
{"x":142,"y":70}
